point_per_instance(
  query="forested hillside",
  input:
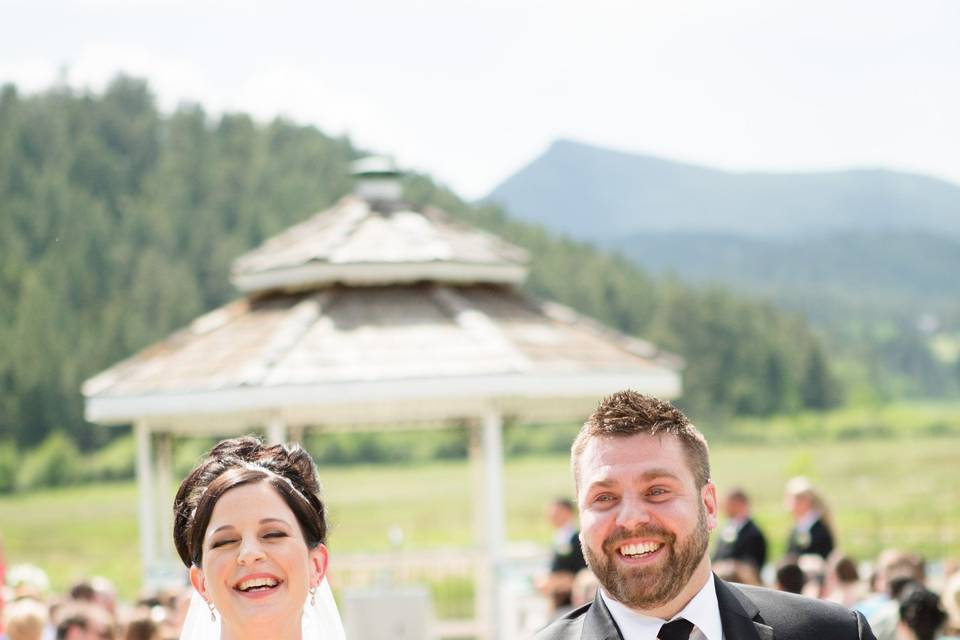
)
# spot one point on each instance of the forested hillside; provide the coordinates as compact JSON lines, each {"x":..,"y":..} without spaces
{"x":118,"y":225}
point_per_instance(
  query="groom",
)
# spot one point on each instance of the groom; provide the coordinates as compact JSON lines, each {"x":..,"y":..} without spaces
{"x":647,"y":506}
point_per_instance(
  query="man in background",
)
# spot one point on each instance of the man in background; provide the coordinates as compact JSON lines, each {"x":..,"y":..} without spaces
{"x":567,"y":557}
{"x":740,"y":538}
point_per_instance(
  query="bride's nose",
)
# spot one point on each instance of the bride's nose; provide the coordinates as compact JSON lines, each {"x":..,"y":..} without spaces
{"x":250,"y":551}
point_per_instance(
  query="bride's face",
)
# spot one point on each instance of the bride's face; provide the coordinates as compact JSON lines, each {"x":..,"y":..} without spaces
{"x":257,"y":567}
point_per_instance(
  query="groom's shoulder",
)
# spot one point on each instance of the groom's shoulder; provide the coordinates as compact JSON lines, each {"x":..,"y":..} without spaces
{"x":566,"y":627}
{"x":785,"y":612}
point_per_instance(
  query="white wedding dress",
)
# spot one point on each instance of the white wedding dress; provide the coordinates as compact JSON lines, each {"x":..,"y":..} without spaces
{"x":321,"y":621}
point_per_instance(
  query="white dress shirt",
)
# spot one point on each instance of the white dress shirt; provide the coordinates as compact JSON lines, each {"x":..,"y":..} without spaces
{"x":702,"y":610}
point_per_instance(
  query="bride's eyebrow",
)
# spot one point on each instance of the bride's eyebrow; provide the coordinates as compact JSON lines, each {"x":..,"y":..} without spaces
{"x":280,"y":520}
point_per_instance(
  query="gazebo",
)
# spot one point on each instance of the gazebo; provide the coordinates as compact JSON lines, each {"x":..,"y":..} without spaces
{"x":371,"y":315}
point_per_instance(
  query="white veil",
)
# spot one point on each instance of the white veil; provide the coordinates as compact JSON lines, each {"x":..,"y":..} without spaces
{"x":321,"y":621}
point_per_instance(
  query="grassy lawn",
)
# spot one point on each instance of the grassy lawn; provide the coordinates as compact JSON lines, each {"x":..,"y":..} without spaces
{"x":903,"y":492}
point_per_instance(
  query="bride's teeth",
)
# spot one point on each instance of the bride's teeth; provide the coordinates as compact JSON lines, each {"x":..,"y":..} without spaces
{"x":246,"y":585}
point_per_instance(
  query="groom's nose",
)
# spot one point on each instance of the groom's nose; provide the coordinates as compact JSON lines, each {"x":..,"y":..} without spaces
{"x":633,"y":512}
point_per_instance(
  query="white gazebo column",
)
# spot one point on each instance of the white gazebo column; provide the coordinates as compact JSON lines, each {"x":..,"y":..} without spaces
{"x":147,"y":506}
{"x":494,"y":517}
{"x":276,"y":431}
{"x":164,"y":499}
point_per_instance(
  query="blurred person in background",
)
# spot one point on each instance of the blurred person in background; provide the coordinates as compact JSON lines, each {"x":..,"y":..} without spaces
{"x":3,"y":584}
{"x":585,"y":587}
{"x":740,"y":538}
{"x":812,"y":530}
{"x":843,"y":584}
{"x":25,"y":619}
{"x":84,"y":621}
{"x":142,"y":627}
{"x":951,"y":604}
{"x":814,"y":572}
{"x":921,"y":616}
{"x":790,"y":578}
{"x":737,"y":571}
{"x":566,"y":560}
{"x":894,"y":570}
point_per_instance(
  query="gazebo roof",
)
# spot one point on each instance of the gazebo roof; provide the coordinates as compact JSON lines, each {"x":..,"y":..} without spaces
{"x":360,"y":242}
{"x":403,"y":352}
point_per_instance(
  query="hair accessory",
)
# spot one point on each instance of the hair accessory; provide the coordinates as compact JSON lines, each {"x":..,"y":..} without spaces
{"x":213,"y":616}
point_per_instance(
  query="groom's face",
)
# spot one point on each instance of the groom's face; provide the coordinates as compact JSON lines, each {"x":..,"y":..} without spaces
{"x":644,"y":522}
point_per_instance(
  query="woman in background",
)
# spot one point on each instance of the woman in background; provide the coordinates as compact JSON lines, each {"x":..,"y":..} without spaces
{"x":812,"y":530}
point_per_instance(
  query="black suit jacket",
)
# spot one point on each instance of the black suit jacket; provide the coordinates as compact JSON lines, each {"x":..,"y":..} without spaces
{"x":818,"y":540}
{"x":750,"y":545}
{"x":570,"y":558}
{"x":747,"y":613}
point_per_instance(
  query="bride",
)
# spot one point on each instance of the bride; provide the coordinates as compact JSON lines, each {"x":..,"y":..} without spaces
{"x":249,"y":525}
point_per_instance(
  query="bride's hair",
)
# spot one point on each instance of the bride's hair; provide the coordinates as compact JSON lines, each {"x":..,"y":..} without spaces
{"x":239,"y":461}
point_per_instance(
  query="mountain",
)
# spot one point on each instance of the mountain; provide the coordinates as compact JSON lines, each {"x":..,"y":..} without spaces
{"x":596,"y":194}
{"x":870,"y":257}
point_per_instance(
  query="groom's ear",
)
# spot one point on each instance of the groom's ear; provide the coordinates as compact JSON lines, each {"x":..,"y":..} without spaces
{"x":318,"y":563}
{"x":198,"y":581}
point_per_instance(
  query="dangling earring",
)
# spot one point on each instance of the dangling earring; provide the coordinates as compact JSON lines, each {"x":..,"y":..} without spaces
{"x":313,"y":597}
{"x":213,"y":617}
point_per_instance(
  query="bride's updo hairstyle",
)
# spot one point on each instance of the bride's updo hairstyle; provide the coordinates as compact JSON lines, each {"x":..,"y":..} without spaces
{"x":236,"y":462}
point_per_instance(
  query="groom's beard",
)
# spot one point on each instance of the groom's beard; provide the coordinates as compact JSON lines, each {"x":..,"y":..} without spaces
{"x":653,"y":585}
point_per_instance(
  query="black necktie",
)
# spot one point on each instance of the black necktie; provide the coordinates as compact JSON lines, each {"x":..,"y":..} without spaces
{"x":679,"y":629}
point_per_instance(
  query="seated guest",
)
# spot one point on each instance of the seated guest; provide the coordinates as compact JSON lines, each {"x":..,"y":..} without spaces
{"x":737,"y":571}
{"x":920,"y":614}
{"x":740,"y":538}
{"x":950,"y":599}
{"x":25,"y":619}
{"x":843,"y":584}
{"x":82,"y":621}
{"x":790,"y":578}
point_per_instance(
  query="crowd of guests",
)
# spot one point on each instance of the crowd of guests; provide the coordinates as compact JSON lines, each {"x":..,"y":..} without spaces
{"x":892,"y":591}
{"x":90,"y":610}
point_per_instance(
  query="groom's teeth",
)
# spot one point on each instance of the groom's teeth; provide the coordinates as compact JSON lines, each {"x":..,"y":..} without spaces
{"x":639,"y":549}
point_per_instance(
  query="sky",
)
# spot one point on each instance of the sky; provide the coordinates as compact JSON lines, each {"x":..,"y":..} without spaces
{"x":470,"y":92}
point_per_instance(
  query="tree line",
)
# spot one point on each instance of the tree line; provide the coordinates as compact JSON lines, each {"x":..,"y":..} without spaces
{"x":118,"y":224}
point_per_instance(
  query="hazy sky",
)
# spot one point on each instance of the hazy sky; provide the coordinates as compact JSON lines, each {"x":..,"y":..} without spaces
{"x":472,"y":91}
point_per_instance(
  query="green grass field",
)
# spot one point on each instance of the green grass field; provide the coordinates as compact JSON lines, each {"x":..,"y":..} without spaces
{"x":903,"y":492}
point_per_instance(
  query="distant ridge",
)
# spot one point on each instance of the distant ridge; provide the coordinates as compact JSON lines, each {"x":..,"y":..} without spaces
{"x":594,"y":193}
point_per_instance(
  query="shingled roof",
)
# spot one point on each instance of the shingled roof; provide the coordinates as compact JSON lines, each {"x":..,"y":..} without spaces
{"x":373,"y":306}
{"x":360,"y":243}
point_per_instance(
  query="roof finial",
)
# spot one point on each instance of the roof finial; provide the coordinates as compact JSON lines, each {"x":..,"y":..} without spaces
{"x":377,"y":178}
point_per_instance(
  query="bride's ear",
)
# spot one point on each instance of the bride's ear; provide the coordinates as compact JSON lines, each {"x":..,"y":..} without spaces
{"x":198,"y":581}
{"x":318,"y":564}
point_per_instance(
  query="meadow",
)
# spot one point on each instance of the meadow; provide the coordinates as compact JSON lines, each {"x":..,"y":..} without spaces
{"x":902,"y":492}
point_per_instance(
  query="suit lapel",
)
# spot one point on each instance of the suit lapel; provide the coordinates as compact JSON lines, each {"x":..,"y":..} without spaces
{"x":739,"y":615}
{"x":598,"y":624}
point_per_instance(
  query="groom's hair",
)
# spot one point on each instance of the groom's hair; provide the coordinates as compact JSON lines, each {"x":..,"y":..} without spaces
{"x":628,"y":413}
